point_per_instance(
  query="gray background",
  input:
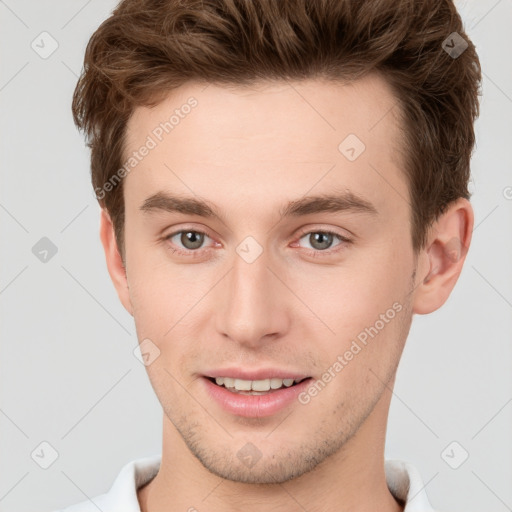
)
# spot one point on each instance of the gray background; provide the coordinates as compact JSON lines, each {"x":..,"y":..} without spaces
{"x":68,"y":373}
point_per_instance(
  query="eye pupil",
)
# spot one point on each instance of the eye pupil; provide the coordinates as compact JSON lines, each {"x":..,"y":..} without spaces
{"x":324,"y":240}
{"x":191,"y":239}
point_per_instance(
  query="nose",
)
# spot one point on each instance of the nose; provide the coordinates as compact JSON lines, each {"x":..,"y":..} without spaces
{"x":253,"y":306}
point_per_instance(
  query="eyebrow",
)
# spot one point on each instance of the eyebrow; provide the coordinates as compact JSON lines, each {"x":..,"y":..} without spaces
{"x":341,"y":202}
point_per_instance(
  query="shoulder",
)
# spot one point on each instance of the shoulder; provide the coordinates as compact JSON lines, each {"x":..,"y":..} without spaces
{"x":122,"y":496}
{"x":406,"y":485}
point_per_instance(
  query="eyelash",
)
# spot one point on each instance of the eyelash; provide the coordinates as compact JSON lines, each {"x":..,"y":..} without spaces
{"x":344,"y":241}
{"x":312,"y":252}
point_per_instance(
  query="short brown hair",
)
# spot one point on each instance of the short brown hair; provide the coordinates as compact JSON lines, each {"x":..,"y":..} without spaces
{"x":146,"y":48}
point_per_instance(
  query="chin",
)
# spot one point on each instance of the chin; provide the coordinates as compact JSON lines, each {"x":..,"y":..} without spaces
{"x":251,"y":465}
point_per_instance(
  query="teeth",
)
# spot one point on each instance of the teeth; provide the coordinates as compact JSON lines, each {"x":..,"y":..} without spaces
{"x":254,"y":385}
{"x":242,"y":385}
{"x":228,"y":382}
{"x":261,"y":385}
{"x":276,"y":383}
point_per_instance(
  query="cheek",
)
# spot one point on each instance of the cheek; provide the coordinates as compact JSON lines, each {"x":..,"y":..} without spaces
{"x":155,"y":302}
{"x":354,"y":298}
{"x":167,"y":310}
{"x":366,"y":307}
{"x":360,"y":364}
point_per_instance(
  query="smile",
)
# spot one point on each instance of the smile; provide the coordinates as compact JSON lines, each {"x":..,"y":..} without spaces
{"x":255,"y":398}
{"x":255,"y":387}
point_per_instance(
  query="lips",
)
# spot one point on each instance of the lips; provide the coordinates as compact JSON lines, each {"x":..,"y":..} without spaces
{"x":254,"y":394}
{"x":263,"y":373}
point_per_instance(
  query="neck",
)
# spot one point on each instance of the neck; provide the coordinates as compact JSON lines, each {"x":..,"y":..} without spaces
{"x":351,"y":479}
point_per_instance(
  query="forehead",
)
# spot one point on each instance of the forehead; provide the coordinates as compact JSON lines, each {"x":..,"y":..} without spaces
{"x":291,"y":136}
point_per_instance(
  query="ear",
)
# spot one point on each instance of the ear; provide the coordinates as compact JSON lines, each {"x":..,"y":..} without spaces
{"x":446,"y":249}
{"x":115,"y":265}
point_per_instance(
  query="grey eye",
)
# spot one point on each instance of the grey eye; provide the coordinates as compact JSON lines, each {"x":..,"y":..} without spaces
{"x":190,"y":239}
{"x":320,"y":240}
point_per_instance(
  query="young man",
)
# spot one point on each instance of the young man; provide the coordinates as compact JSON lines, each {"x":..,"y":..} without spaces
{"x":283,"y":186}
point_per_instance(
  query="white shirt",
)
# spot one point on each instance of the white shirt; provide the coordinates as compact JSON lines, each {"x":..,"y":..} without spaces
{"x":403,"y":480}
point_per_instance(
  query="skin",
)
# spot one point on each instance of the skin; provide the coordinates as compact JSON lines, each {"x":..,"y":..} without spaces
{"x":249,"y":151}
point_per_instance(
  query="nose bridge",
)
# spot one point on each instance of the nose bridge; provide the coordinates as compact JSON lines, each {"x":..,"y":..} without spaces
{"x":253,"y":305}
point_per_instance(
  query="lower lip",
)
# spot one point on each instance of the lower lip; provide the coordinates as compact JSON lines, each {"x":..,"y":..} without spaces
{"x":255,"y":406}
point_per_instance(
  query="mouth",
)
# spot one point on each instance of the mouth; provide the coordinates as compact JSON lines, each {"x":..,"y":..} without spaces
{"x":255,"y":387}
{"x":254,"y":393}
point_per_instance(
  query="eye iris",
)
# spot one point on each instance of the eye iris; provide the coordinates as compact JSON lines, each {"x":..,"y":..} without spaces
{"x":191,"y":239}
{"x":321,"y":238}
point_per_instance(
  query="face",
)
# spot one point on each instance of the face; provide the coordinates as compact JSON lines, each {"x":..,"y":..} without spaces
{"x":267,"y":278}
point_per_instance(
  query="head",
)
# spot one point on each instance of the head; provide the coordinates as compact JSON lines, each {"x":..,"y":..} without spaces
{"x":282,"y":184}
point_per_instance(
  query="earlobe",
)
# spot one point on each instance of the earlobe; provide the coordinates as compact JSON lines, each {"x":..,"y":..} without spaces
{"x":446,"y":250}
{"x":115,"y":264}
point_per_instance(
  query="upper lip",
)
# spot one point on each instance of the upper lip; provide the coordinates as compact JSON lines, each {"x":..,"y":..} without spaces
{"x":261,"y":374}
